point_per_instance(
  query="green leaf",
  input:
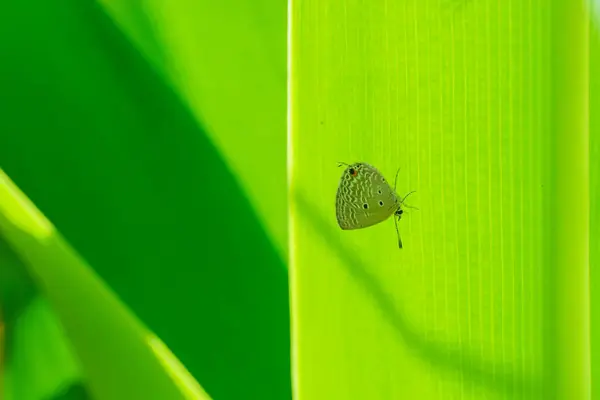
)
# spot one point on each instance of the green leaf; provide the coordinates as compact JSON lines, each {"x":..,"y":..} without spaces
{"x":102,"y":331}
{"x":115,"y":159}
{"x":595,"y":201}
{"x":41,"y":362}
{"x":472,"y":100}
{"x":227,"y":62}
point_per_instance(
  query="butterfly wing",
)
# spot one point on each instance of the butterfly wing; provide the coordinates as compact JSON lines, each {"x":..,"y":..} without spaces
{"x":364,"y":198}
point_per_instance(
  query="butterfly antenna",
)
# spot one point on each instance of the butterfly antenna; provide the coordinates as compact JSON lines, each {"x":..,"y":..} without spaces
{"x":396,"y":179}
{"x":398,"y":233}
{"x":408,"y":194}
{"x":342,"y":163}
{"x":407,"y":205}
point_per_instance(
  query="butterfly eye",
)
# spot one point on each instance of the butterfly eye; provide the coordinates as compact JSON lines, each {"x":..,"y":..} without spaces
{"x":353,"y":172}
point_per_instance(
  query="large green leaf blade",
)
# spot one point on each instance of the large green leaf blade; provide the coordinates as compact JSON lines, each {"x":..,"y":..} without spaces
{"x":457,"y":94}
{"x":595,"y":199}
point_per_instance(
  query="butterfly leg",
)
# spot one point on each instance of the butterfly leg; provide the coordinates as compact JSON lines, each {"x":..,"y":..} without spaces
{"x":398,"y":213}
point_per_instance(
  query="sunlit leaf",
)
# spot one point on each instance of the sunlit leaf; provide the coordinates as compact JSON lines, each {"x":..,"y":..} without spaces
{"x":482,"y":106}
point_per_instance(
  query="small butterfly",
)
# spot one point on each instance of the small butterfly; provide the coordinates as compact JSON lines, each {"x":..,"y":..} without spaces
{"x":364,"y":198}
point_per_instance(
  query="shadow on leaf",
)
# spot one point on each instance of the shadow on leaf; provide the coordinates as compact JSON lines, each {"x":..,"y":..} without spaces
{"x":440,"y":356}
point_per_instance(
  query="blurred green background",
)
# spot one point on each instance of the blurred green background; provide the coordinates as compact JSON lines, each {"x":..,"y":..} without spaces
{"x":152,"y":134}
{"x":122,"y":162}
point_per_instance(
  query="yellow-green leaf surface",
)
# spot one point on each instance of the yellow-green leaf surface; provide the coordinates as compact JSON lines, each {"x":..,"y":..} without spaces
{"x":595,"y":198}
{"x":120,"y":358}
{"x":227,"y":62}
{"x":465,"y":97}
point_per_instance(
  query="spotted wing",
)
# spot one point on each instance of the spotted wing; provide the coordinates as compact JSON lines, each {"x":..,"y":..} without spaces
{"x":365,"y":199}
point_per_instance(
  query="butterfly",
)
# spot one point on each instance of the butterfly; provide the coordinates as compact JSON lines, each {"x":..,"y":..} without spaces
{"x":364,"y":198}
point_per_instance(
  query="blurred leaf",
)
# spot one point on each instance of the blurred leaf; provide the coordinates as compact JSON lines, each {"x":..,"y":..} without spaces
{"x":115,"y":160}
{"x":101,"y":330}
{"x":17,"y":288}
{"x":227,"y":59}
{"x":41,"y":361}
{"x":36,"y":358}
{"x":73,"y":392}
